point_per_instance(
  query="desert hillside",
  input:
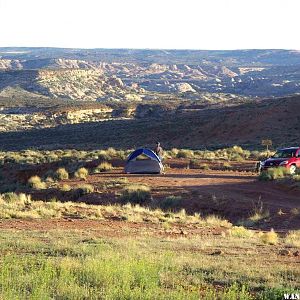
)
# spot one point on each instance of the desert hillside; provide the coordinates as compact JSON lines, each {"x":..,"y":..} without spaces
{"x":246,"y":124}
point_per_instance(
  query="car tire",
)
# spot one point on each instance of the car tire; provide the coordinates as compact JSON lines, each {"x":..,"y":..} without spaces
{"x":258,"y":167}
{"x":293,"y":169}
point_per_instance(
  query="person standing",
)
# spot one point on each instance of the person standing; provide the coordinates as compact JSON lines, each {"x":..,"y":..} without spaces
{"x":159,"y":150}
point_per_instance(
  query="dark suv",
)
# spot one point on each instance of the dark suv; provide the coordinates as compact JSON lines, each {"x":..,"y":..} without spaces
{"x":286,"y":157}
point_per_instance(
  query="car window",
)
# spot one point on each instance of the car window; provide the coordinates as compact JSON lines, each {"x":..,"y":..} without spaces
{"x":285,"y":153}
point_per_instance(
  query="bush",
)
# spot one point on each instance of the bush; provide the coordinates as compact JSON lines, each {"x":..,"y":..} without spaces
{"x":208,"y":155}
{"x":204,"y":166}
{"x":273,"y":174}
{"x":183,"y":153}
{"x":61,"y":174}
{"x":81,"y":173}
{"x":49,"y":179}
{"x":171,"y":203}
{"x":270,"y":237}
{"x":16,"y":198}
{"x":102,"y":155}
{"x":136,"y":193}
{"x":84,"y":189}
{"x":173,"y":152}
{"x":293,"y":238}
{"x":35,"y":182}
{"x":111,"y":152}
{"x":196,"y":164}
{"x":227,"y":166}
{"x":104,"y":166}
{"x":65,"y":188}
{"x":240,"y":231}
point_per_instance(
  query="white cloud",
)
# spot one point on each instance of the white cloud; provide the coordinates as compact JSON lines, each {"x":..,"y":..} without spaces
{"x":197,"y":24}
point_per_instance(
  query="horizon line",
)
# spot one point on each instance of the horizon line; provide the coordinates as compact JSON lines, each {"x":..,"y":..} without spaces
{"x":154,"y":49}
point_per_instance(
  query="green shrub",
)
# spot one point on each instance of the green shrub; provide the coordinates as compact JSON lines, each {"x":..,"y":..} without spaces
{"x":171,"y":203}
{"x":136,"y":193}
{"x":61,"y":174}
{"x":36,"y":183}
{"x":183,"y":153}
{"x":104,"y":166}
{"x":81,"y":173}
{"x":273,"y":173}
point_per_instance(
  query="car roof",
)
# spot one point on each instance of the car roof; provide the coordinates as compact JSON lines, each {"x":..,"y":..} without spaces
{"x":289,"y":148}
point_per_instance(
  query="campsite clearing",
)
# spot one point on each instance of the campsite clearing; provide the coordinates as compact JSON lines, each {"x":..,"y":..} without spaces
{"x":236,"y":195}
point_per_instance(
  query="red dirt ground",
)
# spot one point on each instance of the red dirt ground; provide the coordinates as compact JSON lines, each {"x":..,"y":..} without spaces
{"x":234,"y":195}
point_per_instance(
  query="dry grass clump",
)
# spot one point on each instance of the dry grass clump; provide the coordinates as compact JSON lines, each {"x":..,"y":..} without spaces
{"x":270,"y":237}
{"x":196,"y":164}
{"x":111,"y":152}
{"x":173,"y":152}
{"x":49,"y":179}
{"x":295,"y":211}
{"x":81,"y":173}
{"x":204,"y":166}
{"x":241,"y":232}
{"x":84,"y":189}
{"x":36,"y":183}
{"x":136,"y":193}
{"x":65,"y":188}
{"x":115,"y":182}
{"x":293,"y":238}
{"x":20,"y":206}
{"x":226,"y":166}
{"x":213,"y":220}
{"x":257,"y":217}
{"x":103,"y":167}
{"x":16,"y":198}
{"x":61,"y":174}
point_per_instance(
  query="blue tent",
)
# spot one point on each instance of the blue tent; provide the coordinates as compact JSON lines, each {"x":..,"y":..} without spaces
{"x":149,"y":165}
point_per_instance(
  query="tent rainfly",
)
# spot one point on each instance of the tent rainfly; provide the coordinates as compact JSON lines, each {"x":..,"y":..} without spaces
{"x":150,"y":164}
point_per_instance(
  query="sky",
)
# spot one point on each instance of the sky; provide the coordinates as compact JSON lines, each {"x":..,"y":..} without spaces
{"x":158,"y":24}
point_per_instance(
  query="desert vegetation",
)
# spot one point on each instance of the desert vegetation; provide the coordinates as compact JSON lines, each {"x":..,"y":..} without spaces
{"x":235,"y":153}
{"x":72,"y":264}
{"x":113,"y":235}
